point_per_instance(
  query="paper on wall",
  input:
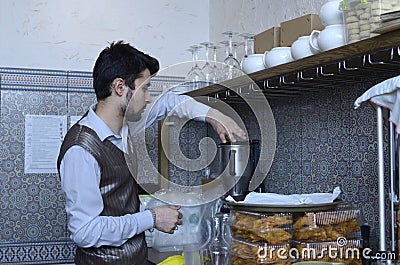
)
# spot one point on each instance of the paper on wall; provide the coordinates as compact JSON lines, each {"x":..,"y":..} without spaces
{"x":73,"y":120}
{"x":43,"y":138}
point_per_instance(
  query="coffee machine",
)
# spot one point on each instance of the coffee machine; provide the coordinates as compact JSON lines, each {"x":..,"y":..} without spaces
{"x":237,"y":163}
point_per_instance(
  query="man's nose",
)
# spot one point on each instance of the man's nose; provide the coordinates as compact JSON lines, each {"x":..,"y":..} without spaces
{"x":148,"y":97}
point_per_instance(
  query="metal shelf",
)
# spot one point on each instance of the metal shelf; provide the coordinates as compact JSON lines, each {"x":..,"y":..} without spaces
{"x":374,"y":59}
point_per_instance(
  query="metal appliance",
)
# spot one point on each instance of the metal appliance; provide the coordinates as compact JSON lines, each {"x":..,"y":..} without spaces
{"x":237,"y":162}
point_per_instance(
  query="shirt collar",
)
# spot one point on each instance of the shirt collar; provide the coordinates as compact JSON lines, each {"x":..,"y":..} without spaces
{"x":98,"y":125}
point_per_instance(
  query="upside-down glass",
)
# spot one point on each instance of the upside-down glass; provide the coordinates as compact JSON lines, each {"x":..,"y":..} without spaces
{"x":232,"y":65}
{"x":208,"y":70}
{"x":235,"y":45}
{"x":195,"y":77}
{"x":248,"y":43}
{"x":217,"y":70}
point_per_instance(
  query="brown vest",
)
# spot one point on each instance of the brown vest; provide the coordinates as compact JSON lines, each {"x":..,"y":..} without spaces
{"x":119,"y":191}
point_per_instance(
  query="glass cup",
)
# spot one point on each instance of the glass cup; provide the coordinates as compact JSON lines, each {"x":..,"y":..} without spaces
{"x":232,"y":65}
{"x":195,"y":77}
{"x":208,"y":70}
{"x":218,"y":68}
{"x":248,"y":43}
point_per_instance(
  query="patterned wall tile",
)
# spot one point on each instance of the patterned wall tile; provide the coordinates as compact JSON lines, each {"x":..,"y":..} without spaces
{"x":32,"y":205}
{"x":54,"y":252}
{"x":31,"y":197}
{"x":189,"y":144}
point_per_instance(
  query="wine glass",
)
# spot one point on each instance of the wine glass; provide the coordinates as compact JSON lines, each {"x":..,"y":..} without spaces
{"x":217,"y":71}
{"x":248,"y":46}
{"x":195,"y":77}
{"x":235,"y":46}
{"x":231,"y":63}
{"x":248,"y":43}
{"x":208,"y":70}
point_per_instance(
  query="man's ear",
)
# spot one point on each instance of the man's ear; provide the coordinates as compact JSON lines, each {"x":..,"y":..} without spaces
{"x":118,"y":85}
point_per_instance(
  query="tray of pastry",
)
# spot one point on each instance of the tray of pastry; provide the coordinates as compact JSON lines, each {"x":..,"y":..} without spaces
{"x":270,"y":228}
{"x":327,"y":225}
{"x":270,"y":208}
{"x":260,"y":253}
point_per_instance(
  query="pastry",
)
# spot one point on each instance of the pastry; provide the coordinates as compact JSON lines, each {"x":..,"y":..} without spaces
{"x":351,"y":19}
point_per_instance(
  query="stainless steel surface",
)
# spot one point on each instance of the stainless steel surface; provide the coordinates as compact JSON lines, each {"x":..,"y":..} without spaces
{"x":381,"y":181}
{"x":236,"y":165}
{"x":234,"y":159}
{"x":392,"y":192}
{"x":256,"y":182}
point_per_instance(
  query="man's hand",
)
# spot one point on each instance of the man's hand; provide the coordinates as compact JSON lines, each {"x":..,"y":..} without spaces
{"x":224,"y":126}
{"x":168,"y":218}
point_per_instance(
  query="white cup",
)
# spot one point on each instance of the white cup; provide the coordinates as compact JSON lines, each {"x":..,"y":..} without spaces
{"x":252,"y":63}
{"x":277,"y":56}
{"x":331,"y":13}
{"x":330,"y":37}
{"x":301,"y":48}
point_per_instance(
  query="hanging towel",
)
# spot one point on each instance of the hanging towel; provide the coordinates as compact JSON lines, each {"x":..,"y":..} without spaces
{"x":387,"y":95}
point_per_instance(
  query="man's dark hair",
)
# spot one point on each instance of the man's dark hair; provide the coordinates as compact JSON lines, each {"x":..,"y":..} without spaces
{"x":120,"y":60}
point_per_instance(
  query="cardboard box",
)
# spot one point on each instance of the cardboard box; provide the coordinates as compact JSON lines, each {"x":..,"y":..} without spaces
{"x":267,"y":40}
{"x":301,"y":26}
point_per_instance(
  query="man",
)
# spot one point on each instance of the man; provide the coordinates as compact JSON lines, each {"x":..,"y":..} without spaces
{"x":102,"y":202}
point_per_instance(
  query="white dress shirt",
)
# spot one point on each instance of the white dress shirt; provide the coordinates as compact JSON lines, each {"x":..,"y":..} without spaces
{"x":80,"y":178}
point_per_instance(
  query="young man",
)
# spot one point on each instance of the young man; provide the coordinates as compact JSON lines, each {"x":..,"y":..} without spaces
{"x":102,"y":202}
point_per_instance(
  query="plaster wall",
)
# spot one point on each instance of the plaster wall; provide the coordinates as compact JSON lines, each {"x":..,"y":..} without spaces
{"x":68,"y":35}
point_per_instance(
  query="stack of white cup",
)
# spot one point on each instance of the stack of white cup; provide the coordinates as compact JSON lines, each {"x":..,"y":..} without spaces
{"x":334,"y":33}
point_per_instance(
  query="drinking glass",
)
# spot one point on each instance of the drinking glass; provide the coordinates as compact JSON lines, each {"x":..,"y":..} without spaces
{"x":232,"y":65}
{"x":195,"y":77}
{"x":218,"y":75}
{"x":248,"y":43}
{"x":235,"y":45}
{"x":208,"y":70}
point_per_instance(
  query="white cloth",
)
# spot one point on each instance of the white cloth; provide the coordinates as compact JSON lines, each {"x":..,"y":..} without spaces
{"x":292,"y":199}
{"x":387,"y":95}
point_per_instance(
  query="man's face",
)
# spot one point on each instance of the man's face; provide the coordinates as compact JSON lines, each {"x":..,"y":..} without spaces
{"x":138,"y":98}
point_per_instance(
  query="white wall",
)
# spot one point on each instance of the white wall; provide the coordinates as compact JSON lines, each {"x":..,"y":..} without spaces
{"x":69,"y":34}
{"x":255,"y":16}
